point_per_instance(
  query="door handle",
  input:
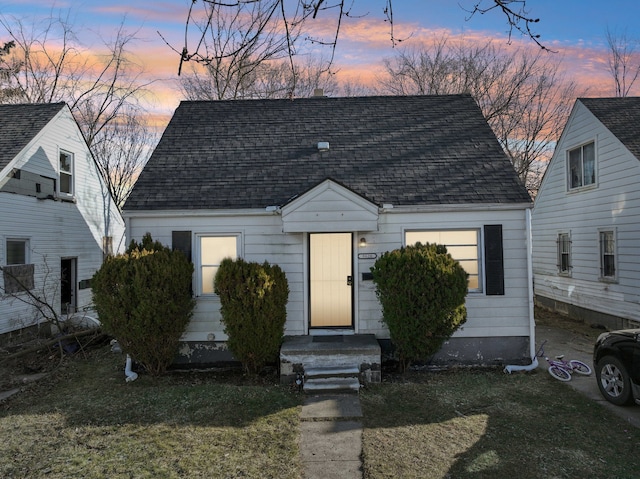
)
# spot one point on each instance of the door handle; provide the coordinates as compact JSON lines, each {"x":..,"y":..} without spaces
{"x":349,"y":280}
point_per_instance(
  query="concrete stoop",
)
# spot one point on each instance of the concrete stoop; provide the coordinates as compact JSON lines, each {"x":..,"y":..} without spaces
{"x":330,"y":363}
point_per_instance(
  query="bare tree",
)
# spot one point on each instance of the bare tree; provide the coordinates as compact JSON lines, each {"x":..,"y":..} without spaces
{"x":270,"y":79}
{"x":624,"y":62}
{"x":47,"y":63}
{"x":522,"y":94}
{"x":121,"y":149}
{"x":289,"y":18}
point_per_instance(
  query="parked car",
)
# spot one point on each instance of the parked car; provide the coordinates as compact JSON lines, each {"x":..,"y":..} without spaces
{"x":616,"y":357}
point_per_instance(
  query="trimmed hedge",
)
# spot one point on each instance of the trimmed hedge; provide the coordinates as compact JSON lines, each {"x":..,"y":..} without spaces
{"x":143,"y":299}
{"x":422,"y":291}
{"x":253,"y":301}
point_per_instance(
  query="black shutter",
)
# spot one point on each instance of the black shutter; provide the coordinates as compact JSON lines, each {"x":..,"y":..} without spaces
{"x":493,"y":261}
{"x":181,"y":241}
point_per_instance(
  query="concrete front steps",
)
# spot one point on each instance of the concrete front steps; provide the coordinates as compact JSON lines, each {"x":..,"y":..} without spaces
{"x":330,"y":364}
{"x":330,"y":380}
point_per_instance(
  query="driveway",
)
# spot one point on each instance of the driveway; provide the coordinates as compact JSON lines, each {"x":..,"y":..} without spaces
{"x":578,"y":344}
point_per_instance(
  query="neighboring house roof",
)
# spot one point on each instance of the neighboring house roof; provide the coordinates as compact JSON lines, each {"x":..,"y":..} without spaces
{"x":19,"y":124}
{"x":403,"y":150}
{"x":621,"y":116}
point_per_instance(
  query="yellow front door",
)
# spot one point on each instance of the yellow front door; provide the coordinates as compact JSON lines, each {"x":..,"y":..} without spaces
{"x":331,"y":280}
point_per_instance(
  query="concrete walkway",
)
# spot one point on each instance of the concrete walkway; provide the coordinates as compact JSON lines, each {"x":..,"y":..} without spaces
{"x":331,"y":437}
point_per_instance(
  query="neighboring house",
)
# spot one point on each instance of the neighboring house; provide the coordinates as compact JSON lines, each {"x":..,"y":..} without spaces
{"x":322,"y":187}
{"x":57,"y":218}
{"x":586,"y":219}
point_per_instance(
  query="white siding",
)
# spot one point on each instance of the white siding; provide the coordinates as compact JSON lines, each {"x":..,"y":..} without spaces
{"x":262,"y":239}
{"x":58,"y":229}
{"x":614,"y":203}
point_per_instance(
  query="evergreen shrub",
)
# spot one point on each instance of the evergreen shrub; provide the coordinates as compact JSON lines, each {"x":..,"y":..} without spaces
{"x":143,"y":299}
{"x":253,"y":300}
{"x":422,"y":292}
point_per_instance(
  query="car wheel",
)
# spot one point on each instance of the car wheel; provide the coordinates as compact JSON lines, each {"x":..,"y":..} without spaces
{"x":613,"y":381}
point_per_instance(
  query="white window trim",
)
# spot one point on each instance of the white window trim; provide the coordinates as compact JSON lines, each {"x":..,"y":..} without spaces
{"x":480,"y":247}
{"x":601,"y":277}
{"x":60,"y":193}
{"x":567,"y":168}
{"x":197,"y":258}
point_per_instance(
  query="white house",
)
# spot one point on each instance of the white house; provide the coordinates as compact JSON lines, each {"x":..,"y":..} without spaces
{"x":322,"y":186}
{"x":57,"y":218}
{"x":586,"y":219}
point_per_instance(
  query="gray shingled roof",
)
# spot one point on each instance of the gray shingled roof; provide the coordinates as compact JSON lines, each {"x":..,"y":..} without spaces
{"x":621,"y":116}
{"x":412,"y":150}
{"x":19,"y":124}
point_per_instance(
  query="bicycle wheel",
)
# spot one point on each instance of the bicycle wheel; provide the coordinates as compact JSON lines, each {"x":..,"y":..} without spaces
{"x":559,"y":373}
{"x":580,"y":367}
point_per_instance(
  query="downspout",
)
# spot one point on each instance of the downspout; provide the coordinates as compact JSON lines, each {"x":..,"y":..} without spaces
{"x":130,"y":375}
{"x":532,"y":322}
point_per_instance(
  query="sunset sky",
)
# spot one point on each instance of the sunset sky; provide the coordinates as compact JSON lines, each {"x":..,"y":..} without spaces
{"x":575,"y":29}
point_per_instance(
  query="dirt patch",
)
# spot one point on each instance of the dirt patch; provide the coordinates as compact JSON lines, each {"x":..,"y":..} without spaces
{"x":553,"y":319}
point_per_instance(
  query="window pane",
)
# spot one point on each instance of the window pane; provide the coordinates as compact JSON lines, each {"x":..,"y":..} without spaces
{"x":65,"y":183}
{"x":470,"y":267}
{"x":65,"y":162}
{"x":589,"y":163}
{"x":575,"y":168}
{"x":608,"y":266}
{"x":16,"y":252}
{"x":215,"y":248}
{"x":461,"y":245}
{"x":607,"y":241}
{"x":468,"y":237}
{"x":463,"y":252}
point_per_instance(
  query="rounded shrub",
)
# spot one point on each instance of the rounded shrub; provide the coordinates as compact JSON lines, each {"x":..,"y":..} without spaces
{"x":253,"y":300}
{"x":143,"y":299}
{"x":422,"y":292}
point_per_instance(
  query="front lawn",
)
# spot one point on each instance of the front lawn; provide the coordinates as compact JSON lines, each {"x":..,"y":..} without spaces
{"x":487,"y":424}
{"x":88,"y":423}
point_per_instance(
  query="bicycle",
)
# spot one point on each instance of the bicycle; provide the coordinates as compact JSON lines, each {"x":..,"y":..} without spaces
{"x":562,"y":370}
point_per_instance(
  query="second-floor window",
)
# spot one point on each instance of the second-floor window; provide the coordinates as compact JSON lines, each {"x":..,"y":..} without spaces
{"x":66,"y":173}
{"x":582,"y":166}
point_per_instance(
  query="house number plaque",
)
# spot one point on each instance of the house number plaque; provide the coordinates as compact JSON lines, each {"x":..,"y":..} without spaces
{"x":367,"y":255}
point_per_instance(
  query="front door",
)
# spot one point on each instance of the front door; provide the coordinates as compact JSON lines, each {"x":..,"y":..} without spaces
{"x":331,"y":280}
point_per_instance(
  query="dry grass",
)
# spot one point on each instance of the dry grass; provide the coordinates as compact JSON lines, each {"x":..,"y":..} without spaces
{"x":485,"y":424}
{"x":85,"y":421}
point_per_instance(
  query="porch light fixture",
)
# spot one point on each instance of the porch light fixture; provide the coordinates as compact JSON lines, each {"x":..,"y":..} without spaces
{"x":363,"y":242}
{"x":323,"y":146}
